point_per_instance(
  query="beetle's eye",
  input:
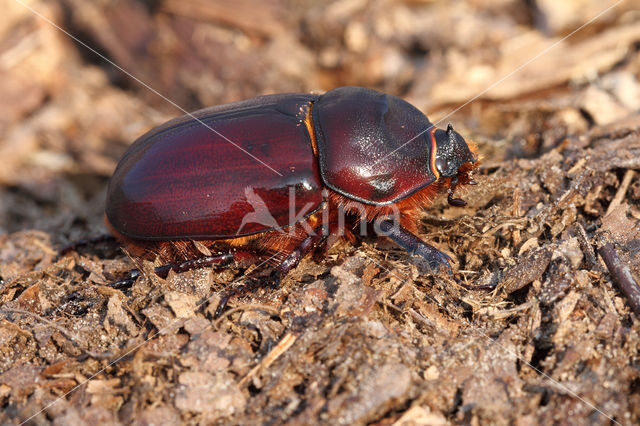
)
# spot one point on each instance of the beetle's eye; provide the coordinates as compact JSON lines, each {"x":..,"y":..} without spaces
{"x":441,"y":165}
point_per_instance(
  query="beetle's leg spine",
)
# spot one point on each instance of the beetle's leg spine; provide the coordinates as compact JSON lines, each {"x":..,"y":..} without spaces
{"x":202,"y":262}
{"x":162,"y":271}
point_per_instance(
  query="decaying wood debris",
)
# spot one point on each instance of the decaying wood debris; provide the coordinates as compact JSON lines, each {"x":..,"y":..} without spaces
{"x":365,"y":336}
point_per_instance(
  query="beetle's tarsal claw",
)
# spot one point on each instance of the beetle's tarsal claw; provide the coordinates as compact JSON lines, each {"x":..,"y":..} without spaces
{"x":127,"y":282}
{"x":456,"y":202}
{"x":430,"y":260}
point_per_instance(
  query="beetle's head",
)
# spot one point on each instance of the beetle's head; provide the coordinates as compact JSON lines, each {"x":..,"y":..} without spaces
{"x":454,"y":160}
{"x":452,"y":152}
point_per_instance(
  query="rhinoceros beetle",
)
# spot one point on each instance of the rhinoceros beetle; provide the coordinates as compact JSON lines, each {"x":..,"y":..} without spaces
{"x":274,"y":173}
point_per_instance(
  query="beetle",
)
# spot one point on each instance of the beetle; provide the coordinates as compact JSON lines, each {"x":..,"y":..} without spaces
{"x":230,"y":176}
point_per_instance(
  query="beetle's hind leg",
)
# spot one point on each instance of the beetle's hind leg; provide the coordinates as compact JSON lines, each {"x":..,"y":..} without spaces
{"x":105,"y":238}
{"x":219,"y":260}
{"x":434,"y":258}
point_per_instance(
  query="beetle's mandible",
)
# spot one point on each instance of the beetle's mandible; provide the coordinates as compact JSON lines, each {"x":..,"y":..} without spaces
{"x":230,"y":176}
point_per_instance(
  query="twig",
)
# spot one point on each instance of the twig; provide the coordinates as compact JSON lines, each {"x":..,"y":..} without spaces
{"x":586,"y":247}
{"x":519,"y":223}
{"x":568,"y":195}
{"x":247,"y":307}
{"x":416,"y":317}
{"x":498,"y":314}
{"x":630,"y":163}
{"x":622,"y":190}
{"x":621,"y":275}
{"x":283,"y":345}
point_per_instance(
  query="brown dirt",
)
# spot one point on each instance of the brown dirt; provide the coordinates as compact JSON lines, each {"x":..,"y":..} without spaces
{"x":364,"y":336}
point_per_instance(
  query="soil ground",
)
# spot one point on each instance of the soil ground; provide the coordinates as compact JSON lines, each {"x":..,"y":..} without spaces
{"x":549,"y":91}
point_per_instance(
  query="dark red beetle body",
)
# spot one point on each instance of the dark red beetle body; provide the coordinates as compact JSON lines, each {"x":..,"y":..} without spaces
{"x":184,"y":181}
{"x":206,"y":176}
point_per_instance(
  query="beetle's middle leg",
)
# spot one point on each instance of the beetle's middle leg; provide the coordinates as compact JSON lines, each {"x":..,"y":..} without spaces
{"x":292,"y":260}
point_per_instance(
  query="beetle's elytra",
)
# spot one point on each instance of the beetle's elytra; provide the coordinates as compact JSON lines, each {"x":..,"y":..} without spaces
{"x":211,"y":177}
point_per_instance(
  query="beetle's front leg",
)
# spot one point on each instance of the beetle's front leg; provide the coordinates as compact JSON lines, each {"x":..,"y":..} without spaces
{"x":414,"y":245}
